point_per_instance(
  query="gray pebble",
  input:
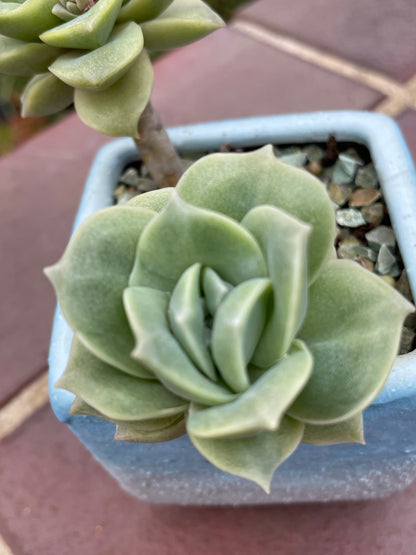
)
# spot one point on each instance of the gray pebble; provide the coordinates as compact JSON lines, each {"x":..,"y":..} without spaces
{"x":374,"y":213}
{"x":381,"y":235}
{"x":350,"y":217}
{"x":367,"y":177}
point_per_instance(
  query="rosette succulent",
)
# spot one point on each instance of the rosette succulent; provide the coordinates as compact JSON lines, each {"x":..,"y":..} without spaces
{"x":218,"y":309}
{"x":94,"y":53}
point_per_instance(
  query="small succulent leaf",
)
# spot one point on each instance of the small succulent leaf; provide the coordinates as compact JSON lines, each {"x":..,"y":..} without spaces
{"x":186,"y":318}
{"x":144,"y":431}
{"x":73,"y":8}
{"x":156,"y":348}
{"x":260,"y":408}
{"x":44,"y":94}
{"x":79,"y":406}
{"x":237,"y":327}
{"x":214,"y":288}
{"x":26,"y":20}
{"x":153,"y":200}
{"x":352,"y":328}
{"x":182,"y":235}
{"x":63,"y":13}
{"x":153,"y":431}
{"x":215,"y":182}
{"x":87,"y":31}
{"x":254,"y":458}
{"x":142,"y":10}
{"x":103,"y":111}
{"x":101,"y":67}
{"x":80,"y":5}
{"x":90,"y":279}
{"x":347,"y":431}
{"x":22,"y":58}
{"x":113,"y":393}
{"x":284,"y":242}
{"x":183,"y":22}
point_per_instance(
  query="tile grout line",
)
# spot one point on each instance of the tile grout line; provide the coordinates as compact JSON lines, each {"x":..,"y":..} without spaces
{"x":4,"y":548}
{"x":393,"y":106}
{"x":23,"y":406}
{"x":399,"y":96}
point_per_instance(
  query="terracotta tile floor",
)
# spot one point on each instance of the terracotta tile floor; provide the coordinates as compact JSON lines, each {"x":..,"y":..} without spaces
{"x":277,"y":56}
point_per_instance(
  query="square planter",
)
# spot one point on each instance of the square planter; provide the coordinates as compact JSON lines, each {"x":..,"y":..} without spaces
{"x":174,"y":472}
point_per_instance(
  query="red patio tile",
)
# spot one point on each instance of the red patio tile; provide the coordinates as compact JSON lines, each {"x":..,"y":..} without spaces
{"x":228,"y":75}
{"x":378,"y":34}
{"x":56,"y":499}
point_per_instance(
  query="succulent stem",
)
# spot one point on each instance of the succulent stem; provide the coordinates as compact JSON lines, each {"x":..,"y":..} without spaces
{"x":156,"y":149}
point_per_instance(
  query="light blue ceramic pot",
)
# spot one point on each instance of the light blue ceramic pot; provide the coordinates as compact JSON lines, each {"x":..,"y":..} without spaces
{"x":175,"y":472}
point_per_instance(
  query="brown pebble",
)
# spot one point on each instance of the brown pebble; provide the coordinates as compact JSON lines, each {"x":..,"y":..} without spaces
{"x":388,"y":279}
{"x":363,"y":197}
{"x":374,"y":213}
{"x":365,"y":263}
{"x":338,"y":193}
{"x":315,"y":167}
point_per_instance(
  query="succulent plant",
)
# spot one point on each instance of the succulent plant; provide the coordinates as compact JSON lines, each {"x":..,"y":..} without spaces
{"x":218,"y":309}
{"x":94,"y":53}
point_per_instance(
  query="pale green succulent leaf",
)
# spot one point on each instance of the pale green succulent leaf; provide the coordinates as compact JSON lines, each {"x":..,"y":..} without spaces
{"x":90,"y":279}
{"x":260,"y":408}
{"x":22,"y":58}
{"x":153,"y":200}
{"x":100,"y":68}
{"x":106,"y":113}
{"x":79,"y":406}
{"x":143,"y":431}
{"x":115,"y":394}
{"x":152,"y":431}
{"x":63,"y":13}
{"x":156,"y":348}
{"x":254,"y":458}
{"x":352,"y":328}
{"x":347,"y":431}
{"x":226,"y":183}
{"x":186,"y":318}
{"x":25,"y":21}
{"x":215,"y":289}
{"x":237,"y":327}
{"x":87,"y":31}
{"x":142,"y":10}
{"x":183,"y":22}
{"x":44,"y":94}
{"x":284,"y":242}
{"x":182,"y":235}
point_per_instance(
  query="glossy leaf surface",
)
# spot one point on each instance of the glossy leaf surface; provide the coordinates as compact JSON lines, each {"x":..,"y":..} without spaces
{"x":256,"y":457}
{"x":183,"y":22}
{"x":87,"y":31}
{"x":22,"y":58}
{"x":115,"y":394}
{"x":44,"y":94}
{"x":182,"y":235}
{"x":90,"y":279}
{"x":352,"y":328}
{"x":101,"y":67}
{"x":103,"y":111}
{"x":224,"y":183}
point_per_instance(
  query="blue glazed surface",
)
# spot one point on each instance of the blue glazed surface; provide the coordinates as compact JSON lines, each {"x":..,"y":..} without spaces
{"x":174,"y":472}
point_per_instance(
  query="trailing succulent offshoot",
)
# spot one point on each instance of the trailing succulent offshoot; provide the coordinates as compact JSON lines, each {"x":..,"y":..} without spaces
{"x":218,"y":309}
{"x":95,"y":53}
